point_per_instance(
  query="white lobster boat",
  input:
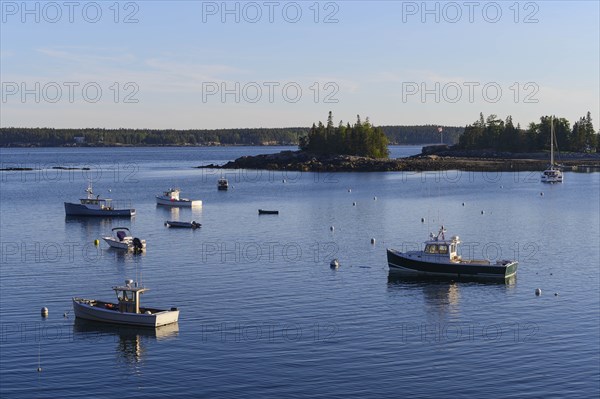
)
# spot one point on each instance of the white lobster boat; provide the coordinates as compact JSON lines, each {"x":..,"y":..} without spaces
{"x":126,"y":311}
{"x":171,"y":198}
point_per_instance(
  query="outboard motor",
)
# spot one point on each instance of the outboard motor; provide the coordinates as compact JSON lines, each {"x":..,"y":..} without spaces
{"x":137,"y":245}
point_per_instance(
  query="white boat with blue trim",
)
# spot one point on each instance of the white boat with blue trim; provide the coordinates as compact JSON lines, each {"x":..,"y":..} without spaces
{"x":123,"y":239}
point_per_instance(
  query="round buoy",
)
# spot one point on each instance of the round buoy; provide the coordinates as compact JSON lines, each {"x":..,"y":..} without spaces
{"x":372,"y":241}
{"x":96,"y":242}
{"x":538,"y":292}
{"x":422,"y":220}
{"x":349,"y":190}
{"x":542,"y":194}
{"x":556,"y":294}
{"x":331,"y":228}
{"x":334,"y":264}
{"x":463,"y":204}
{"x":44,"y":312}
{"x":354,"y":204}
{"x":284,"y":180}
{"x":482,"y":212}
{"x":39,"y":369}
{"x":374,"y":198}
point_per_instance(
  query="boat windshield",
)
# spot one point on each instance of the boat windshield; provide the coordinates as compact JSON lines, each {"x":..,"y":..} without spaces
{"x":436,"y":249}
{"x":125,"y":295}
{"x":431,"y":249}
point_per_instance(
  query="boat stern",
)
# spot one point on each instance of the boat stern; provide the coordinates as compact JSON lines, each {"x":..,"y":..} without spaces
{"x":511,"y":267}
{"x":166,"y":317}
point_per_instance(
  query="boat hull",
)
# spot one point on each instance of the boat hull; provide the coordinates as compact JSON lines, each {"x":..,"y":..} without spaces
{"x":546,"y":179}
{"x":182,"y":225}
{"x":72,"y":209}
{"x":124,"y":245}
{"x":265,"y":212}
{"x":401,"y":263}
{"x":84,"y":310}
{"x":178,"y":203}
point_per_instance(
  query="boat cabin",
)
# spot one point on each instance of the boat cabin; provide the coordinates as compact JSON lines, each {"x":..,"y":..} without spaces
{"x":223,"y":184}
{"x":440,"y":247}
{"x":95,"y":202}
{"x":172,"y":194}
{"x":129,"y":297}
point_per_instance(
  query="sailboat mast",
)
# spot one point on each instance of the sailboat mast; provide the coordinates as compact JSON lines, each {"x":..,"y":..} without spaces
{"x":552,"y":140}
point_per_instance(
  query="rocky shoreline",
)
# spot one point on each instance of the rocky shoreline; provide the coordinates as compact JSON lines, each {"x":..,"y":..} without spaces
{"x":306,"y":162}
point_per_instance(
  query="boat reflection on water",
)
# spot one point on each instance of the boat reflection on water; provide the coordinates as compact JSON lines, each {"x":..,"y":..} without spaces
{"x":399,"y":278}
{"x":131,"y":341}
{"x":440,"y":294}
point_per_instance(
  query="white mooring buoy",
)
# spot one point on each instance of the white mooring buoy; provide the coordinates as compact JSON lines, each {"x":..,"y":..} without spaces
{"x":44,"y":312}
{"x":372,"y":240}
{"x":538,"y":292}
{"x":331,"y":228}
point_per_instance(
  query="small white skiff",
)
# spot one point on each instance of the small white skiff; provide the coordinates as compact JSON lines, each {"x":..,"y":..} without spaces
{"x":123,"y":240}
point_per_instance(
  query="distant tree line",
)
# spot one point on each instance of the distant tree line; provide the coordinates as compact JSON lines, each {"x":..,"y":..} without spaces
{"x":47,"y":137}
{"x":501,"y":135}
{"x":423,"y":134}
{"x":362,"y":139}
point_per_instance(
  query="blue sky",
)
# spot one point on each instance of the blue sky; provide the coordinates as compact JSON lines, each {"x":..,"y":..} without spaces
{"x":191,"y":65}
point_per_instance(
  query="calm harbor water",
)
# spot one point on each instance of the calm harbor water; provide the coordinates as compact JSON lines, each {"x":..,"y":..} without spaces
{"x":263,"y":315}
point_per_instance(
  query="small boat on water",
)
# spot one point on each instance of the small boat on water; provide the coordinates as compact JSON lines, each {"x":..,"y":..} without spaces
{"x":266,"y":212}
{"x":439,"y":258}
{"x":122,"y":239}
{"x":222,"y":184}
{"x":553,"y":174}
{"x":127,"y":310}
{"x":184,"y":225}
{"x":96,"y":206}
{"x":171,"y":198}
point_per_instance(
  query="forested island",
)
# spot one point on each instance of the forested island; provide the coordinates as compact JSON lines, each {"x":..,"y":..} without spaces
{"x":493,"y":133}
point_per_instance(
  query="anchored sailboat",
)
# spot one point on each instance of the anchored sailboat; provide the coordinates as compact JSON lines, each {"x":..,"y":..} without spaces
{"x":552,"y":174}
